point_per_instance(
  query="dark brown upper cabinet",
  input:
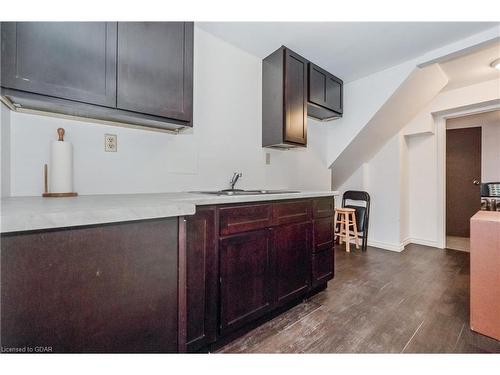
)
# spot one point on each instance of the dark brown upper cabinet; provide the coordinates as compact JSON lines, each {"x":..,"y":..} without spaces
{"x":67,"y":60}
{"x":284,"y":99}
{"x":293,"y":89}
{"x":324,"y":94}
{"x":139,"y":73}
{"x":155,"y":68}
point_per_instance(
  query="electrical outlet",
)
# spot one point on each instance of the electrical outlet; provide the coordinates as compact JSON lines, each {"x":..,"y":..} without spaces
{"x":110,"y":143}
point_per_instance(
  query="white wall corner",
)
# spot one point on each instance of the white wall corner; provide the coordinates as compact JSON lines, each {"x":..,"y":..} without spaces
{"x":424,"y":242}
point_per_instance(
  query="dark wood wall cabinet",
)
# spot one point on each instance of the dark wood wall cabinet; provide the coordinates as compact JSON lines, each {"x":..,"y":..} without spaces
{"x":245,"y":262}
{"x":101,"y":289}
{"x":133,"y":72}
{"x":324,"y":94}
{"x":293,"y":89}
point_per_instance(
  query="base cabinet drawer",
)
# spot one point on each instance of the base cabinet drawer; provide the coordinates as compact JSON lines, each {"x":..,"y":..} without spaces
{"x":323,"y":207}
{"x":292,"y":212}
{"x":322,"y":267}
{"x":244,"y":218}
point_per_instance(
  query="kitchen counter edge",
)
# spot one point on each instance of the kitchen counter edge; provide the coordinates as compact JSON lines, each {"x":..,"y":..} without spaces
{"x":20,"y":214}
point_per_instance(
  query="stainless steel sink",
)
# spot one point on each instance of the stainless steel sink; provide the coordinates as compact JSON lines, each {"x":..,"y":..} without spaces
{"x":246,"y":192}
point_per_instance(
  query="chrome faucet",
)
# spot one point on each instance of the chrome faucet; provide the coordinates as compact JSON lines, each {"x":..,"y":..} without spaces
{"x":234,"y":179}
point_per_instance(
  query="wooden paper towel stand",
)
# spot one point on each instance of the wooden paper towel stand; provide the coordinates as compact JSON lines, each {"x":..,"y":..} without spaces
{"x":46,"y":193}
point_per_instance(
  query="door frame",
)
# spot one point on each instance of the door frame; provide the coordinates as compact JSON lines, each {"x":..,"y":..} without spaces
{"x":440,"y":129}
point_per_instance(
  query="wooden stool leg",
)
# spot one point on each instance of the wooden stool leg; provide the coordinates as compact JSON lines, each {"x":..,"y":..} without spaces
{"x":341,"y":229}
{"x":348,"y":236}
{"x":334,"y":227}
{"x":355,"y":227}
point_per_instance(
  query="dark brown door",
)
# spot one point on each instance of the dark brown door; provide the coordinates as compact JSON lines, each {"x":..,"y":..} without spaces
{"x":295,"y":98}
{"x":292,"y":248}
{"x":246,"y":284}
{"x":463,"y":179}
{"x":155,"y":68}
{"x":202,"y":279}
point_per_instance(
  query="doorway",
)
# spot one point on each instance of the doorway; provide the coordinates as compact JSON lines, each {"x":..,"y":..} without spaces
{"x":463,"y":184}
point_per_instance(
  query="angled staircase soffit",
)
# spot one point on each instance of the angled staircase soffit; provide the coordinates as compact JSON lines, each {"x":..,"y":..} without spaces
{"x":419,"y":88}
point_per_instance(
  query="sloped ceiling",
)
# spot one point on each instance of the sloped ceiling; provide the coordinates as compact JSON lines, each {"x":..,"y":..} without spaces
{"x":472,"y":68}
{"x":422,"y":85}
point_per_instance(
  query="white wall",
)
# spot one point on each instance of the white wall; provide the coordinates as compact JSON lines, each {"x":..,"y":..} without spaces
{"x":490,"y":163}
{"x":402,"y":177}
{"x":365,"y":96}
{"x":362,"y":99}
{"x":384,"y":177}
{"x":419,"y":88}
{"x":423,"y":194}
{"x":226,"y":138}
{"x":423,"y":157}
{"x":4,"y":150}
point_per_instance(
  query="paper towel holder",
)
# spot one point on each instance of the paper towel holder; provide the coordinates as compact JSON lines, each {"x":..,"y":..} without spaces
{"x":46,"y":194}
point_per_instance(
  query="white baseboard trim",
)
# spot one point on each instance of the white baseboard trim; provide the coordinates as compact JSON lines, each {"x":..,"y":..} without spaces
{"x":386,"y":245}
{"x":400,"y":247}
{"x":420,"y":241}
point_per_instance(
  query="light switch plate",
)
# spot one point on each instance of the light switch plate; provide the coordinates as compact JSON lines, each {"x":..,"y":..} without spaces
{"x":268,"y":158}
{"x":110,"y":143}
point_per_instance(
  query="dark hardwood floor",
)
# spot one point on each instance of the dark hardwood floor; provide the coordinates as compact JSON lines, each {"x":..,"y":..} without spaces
{"x":416,"y":301}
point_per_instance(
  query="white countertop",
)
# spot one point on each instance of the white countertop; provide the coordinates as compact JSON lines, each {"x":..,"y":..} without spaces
{"x":33,"y":213}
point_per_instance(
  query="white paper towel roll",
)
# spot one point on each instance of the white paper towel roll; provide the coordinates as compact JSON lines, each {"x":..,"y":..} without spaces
{"x":61,"y":167}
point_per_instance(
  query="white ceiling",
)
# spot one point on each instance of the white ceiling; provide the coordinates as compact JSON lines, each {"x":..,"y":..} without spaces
{"x":472,"y":68}
{"x":350,"y":50}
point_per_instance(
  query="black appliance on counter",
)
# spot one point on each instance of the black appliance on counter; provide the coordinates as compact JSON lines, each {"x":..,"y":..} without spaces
{"x":490,"y":196}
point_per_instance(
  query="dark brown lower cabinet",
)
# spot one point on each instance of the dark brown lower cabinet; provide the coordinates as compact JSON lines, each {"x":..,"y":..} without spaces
{"x":292,"y":250}
{"x":322,"y":267}
{"x":247,"y":261}
{"x":202,"y":278}
{"x":245,"y":278}
{"x":100,"y":289}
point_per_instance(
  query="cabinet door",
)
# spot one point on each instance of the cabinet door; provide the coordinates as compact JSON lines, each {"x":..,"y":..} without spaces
{"x":246,"y":284}
{"x":68,"y":60}
{"x":322,"y":267}
{"x":323,"y":234}
{"x":202,"y":280}
{"x":292,"y":248}
{"x":325,"y":89}
{"x":334,"y":94}
{"x":295,"y":98}
{"x":155,"y":68}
